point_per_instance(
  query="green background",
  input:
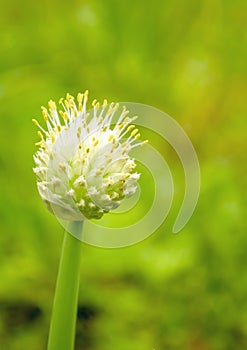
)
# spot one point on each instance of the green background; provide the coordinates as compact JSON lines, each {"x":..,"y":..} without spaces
{"x":187,"y":58}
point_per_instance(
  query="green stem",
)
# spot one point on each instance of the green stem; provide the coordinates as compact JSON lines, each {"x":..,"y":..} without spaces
{"x":63,"y":321}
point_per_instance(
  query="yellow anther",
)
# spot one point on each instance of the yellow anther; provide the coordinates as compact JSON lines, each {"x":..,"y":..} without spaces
{"x":124,"y":115}
{"x":134,"y":132}
{"x":53,"y":138}
{"x":95,"y":143}
{"x":80,"y":97}
{"x":35,"y":122}
{"x":127,"y":120}
{"x":88,"y":150}
{"x":58,"y":128}
{"x":110,"y":111}
{"x":144,"y":142}
{"x":44,"y":109}
{"x":69,"y":97}
{"x":52,"y":105}
{"x":63,"y":115}
{"x":80,"y":107}
{"x":72,"y":103}
{"x":94,"y":102}
{"x":40,"y":135}
{"x":105,"y":128}
{"x":45,"y":113}
{"x":137,"y":136}
{"x":116,"y":107}
{"x":97,"y":105}
{"x":62,"y":166}
{"x":110,"y":137}
{"x":78,"y":132}
{"x":86,"y":95}
{"x":60,"y":100}
{"x":105,"y":102}
{"x":131,"y":127}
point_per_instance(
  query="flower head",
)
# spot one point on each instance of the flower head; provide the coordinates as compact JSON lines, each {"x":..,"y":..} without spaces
{"x":83,"y":166}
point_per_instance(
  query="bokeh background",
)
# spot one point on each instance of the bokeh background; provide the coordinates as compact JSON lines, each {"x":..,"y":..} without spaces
{"x":185,"y":57}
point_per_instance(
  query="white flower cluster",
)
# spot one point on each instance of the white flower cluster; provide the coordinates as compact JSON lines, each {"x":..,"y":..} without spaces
{"x":83,"y":166}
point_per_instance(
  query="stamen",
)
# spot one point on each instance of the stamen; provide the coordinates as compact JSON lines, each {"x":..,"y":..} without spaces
{"x":52,"y":105}
{"x":134,"y":132}
{"x":40,"y":135}
{"x":79,"y":97}
{"x":78,"y":132}
{"x":39,"y":126}
{"x":69,"y":97}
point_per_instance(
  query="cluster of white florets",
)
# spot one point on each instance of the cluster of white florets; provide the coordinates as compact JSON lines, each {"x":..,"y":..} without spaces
{"x":83,"y":166}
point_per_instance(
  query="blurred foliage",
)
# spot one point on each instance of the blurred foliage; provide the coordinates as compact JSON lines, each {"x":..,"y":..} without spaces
{"x":188,"y":58}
